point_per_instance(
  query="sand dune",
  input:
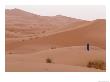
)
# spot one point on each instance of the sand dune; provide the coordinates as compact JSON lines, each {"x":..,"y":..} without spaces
{"x":78,"y":36}
{"x":63,"y":40}
{"x":21,"y":17}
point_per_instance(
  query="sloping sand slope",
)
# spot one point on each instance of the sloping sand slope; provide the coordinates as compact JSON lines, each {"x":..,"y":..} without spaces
{"x":93,"y":33}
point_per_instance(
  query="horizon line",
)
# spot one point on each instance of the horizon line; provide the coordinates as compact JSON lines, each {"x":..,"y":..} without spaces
{"x":54,"y":15}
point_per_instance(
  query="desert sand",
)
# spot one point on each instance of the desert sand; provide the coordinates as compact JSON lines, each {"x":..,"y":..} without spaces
{"x":37,"y":43}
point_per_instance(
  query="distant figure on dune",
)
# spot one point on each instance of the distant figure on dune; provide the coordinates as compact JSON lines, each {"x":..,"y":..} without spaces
{"x":88,"y":47}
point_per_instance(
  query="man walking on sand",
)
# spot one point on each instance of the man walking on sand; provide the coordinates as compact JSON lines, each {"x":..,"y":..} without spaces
{"x":88,"y":47}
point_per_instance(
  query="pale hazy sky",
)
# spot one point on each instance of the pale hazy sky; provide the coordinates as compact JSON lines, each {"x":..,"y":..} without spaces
{"x":82,"y":12}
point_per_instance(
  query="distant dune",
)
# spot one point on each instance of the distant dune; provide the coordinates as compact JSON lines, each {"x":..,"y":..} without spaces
{"x":32,"y":39}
